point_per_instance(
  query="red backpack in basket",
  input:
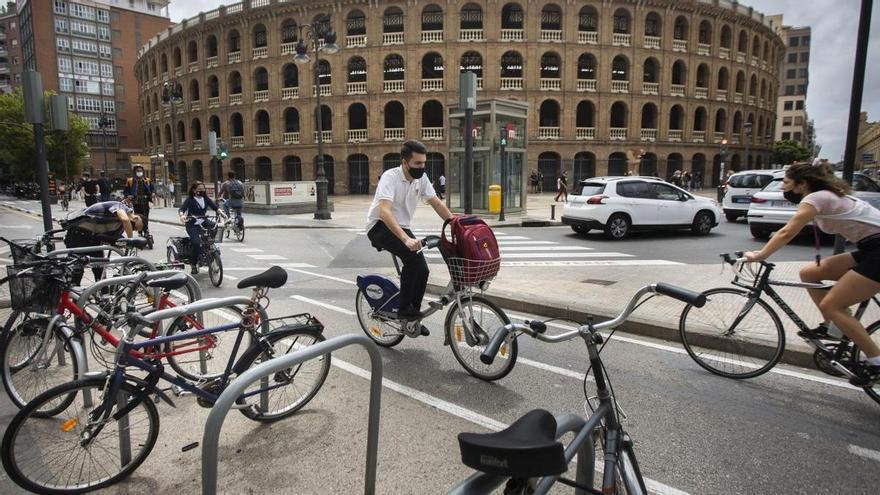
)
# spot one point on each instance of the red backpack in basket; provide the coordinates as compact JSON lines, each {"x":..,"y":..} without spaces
{"x":472,"y":240}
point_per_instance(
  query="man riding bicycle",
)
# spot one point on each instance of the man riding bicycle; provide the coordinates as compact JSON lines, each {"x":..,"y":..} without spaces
{"x":232,"y":191}
{"x":388,"y":223}
{"x":823,"y":198}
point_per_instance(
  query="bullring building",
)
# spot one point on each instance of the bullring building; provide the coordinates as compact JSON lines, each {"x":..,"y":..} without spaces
{"x":612,"y":87}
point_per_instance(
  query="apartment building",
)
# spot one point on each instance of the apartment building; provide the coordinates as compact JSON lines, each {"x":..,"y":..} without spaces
{"x":10,"y":48}
{"x":794,"y":75}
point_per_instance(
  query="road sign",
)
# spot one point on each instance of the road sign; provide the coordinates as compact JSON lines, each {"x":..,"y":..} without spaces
{"x":868,"y":158}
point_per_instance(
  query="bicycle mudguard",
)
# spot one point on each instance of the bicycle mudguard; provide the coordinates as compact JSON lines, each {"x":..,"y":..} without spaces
{"x":381,"y":292}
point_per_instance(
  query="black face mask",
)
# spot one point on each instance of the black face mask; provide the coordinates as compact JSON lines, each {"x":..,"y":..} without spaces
{"x":416,"y":173}
{"x":792,"y":196}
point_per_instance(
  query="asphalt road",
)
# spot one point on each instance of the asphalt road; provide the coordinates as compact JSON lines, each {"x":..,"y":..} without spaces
{"x":790,"y":431}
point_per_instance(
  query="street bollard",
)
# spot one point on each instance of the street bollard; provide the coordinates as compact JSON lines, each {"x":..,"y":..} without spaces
{"x":552,"y":212}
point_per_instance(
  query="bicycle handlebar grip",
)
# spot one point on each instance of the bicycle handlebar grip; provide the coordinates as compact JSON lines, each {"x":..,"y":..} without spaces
{"x":431,"y":241}
{"x":683,"y":295}
{"x":489,"y":352}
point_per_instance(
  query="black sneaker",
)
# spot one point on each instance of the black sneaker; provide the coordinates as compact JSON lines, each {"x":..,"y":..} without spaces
{"x":195,"y":270}
{"x":866,"y":374}
{"x":818,"y":333}
{"x":424,"y":330}
{"x":410,"y":315}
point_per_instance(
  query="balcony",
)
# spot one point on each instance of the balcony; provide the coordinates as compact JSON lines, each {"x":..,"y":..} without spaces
{"x":195,"y":106}
{"x":470,"y":35}
{"x":753,"y":62}
{"x":289,"y":93}
{"x":679,"y":45}
{"x":235,"y":99}
{"x":698,"y":136}
{"x":649,"y":134}
{"x":549,"y":84}
{"x":178,"y":71}
{"x":618,"y":133}
{"x":586,"y":85}
{"x":237,"y":141}
{"x":479,"y":83}
{"x":751,"y":100}
{"x":724,"y":53}
{"x":620,"y":86}
{"x":676,"y":90}
{"x":197,"y":145}
{"x":513,"y":35}
{"x":357,"y":135}
{"x":675,"y":135}
{"x":764,"y":64}
{"x":262,"y":95}
{"x":719,"y":136}
{"x":392,"y":38}
{"x":432,"y":84}
{"x":621,"y":39}
{"x":326,"y":136}
{"x":735,"y":139}
{"x":432,"y":36}
{"x":288,"y":48}
{"x":393,"y":86}
{"x":704,"y":49}
{"x":701,"y":93}
{"x":214,"y":102}
{"x":290,"y":137}
{"x":211,"y":62}
{"x":356,"y":88}
{"x":260,"y":52}
{"x":325,"y":90}
{"x":586,"y":133}
{"x":737,"y":97}
{"x":551,"y":35}
{"x":721,"y":95}
{"x":394,"y":134}
{"x":511,"y":83}
{"x":649,"y":88}
{"x":193,"y":67}
{"x":652,"y":42}
{"x":588,"y":37}
{"x":264,"y":139}
{"x":166,"y":112}
{"x":432,"y":133}
{"x":548,"y":133}
{"x":356,"y":41}
{"x":740,"y":57}
{"x":233,"y":58}
{"x":181,"y":146}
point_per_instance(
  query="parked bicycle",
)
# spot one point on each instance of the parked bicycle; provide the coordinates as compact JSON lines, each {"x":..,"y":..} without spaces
{"x":178,"y":250}
{"x":106,"y":441}
{"x":468,"y":320}
{"x":527,"y":456}
{"x":737,"y":334}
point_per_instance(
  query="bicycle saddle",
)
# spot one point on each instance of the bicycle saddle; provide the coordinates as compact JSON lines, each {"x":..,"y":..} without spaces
{"x":134,"y":242}
{"x":525,"y":449}
{"x":272,"y":278}
{"x":173,"y":282}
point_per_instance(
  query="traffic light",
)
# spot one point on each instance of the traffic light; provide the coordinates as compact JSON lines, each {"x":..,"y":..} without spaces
{"x":502,"y":142}
{"x":224,"y":151}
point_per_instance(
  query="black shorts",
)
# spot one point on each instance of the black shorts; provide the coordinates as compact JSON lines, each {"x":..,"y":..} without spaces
{"x":867,"y":258}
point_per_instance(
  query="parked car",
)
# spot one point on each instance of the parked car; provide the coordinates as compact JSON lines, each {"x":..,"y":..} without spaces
{"x":769,"y":211}
{"x":621,"y":205}
{"x":741,"y":186}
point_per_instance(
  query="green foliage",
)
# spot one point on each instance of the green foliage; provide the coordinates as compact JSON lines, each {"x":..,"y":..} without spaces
{"x":788,"y":151}
{"x":19,"y":151}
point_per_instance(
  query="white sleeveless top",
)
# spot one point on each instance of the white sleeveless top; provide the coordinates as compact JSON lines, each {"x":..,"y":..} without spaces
{"x":848,"y":216}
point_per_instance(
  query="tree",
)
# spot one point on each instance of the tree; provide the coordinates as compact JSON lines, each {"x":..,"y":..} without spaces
{"x":788,"y":151}
{"x":18,"y":150}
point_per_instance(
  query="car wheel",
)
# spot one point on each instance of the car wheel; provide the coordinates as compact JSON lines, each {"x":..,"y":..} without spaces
{"x":731,"y":217}
{"x":617,"y":227}
{"x":703,"y":223}
{"x":580,"y":229}
{"x":759,"y":233}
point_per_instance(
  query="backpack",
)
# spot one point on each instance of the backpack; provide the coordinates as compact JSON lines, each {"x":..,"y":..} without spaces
{"x":473,"y":242}
{"x":236,"y":190}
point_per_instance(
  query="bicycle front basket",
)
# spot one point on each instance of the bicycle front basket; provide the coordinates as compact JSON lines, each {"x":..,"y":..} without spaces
{"x":37,"y":290}
{"x":467,"y":272}
{"x":22,"y":250}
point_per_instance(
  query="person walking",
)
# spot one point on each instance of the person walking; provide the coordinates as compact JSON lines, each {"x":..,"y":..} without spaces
{"x":139,"y":190}
{"x":104,"y":184}
{"x":686,"y":181}
{"x":561,"y":188}
{"x":89,"y":188}
{"x":441,"y":186}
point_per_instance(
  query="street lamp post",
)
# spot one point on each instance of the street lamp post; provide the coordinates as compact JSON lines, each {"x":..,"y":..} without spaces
{"x":721,"y":170}
{"x":319,"y":29}
{"x":104,"y":123}
{"x":747,"y":132}
{"x":172,"y":96}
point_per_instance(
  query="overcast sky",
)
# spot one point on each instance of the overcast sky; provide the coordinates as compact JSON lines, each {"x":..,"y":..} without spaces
{"x":835,"y":27}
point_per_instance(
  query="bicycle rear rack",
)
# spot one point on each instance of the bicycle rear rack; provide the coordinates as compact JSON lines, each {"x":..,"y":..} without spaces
{"x":218,"y":413}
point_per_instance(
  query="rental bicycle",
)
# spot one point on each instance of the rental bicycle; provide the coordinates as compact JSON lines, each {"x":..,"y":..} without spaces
{"x":737,"y":334}
{"x":85,"y":446}
{"x":528,"y":458}
{"x":469,"y":318}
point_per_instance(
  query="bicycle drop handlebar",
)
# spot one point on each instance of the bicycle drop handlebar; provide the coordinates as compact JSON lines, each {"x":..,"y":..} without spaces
{"x":537,"y":329}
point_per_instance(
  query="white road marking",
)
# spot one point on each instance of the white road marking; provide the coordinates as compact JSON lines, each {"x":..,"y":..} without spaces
{"x":26,"y":227}
{"x":243,"y":269}
{"x":592,"y":263}
{"x":553,"y":369}
{"x":4,"y":249}
{"x":246,"y":250}
{"x":505,"y":242}
{"x":328,"y":277}
{"x":297,"y":265}
{"x":266,"y":257}
{"x":230,"y":277}
{"x":552,"y":255}
{"x":323,"y":305}
{"x":505,"y":248}
{"x":866,"y":453}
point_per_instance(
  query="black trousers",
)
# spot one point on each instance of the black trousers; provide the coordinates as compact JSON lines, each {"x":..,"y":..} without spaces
{"x":143,"y":209}
{"x":413,"y":275}
{"x":91,"y":199}
{"x":76,"y":238}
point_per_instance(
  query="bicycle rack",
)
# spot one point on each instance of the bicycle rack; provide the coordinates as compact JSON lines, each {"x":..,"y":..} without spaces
{"x":88,"y":249}
{"x":218,"y":413}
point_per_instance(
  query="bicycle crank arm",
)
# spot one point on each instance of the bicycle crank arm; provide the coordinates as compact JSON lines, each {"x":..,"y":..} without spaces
{"x":841,"y":368}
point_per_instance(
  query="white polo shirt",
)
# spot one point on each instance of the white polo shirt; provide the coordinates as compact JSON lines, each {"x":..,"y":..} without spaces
{"x":403,"y":194}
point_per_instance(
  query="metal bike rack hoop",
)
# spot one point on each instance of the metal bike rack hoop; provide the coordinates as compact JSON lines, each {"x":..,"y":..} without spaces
{"x":86,"y":249}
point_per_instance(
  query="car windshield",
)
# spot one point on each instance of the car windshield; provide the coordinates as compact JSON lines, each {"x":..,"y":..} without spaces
{"x":750,"y":180}
{"x":774,"y":186}
{"x":590,"y":188}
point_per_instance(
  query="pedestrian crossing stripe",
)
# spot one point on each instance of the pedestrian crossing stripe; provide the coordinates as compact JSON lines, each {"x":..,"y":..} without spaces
{"x":505,"y":248}
{"x":266,"y":257}
{"x":591,"y":263}
{"x":552,"y":255}
{"x":247,"y":250}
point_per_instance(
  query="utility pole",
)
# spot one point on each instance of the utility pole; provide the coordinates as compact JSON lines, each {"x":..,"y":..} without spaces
{"x":467,"y":100}
{"x":33,"y":112}
{"x":723,"y":154}
{"x":502,"y":145}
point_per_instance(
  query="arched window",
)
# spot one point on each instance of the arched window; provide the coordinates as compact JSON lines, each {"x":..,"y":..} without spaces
{"x":181,"y":132}
{"x":211,"y":46}
{"x":358,"y":174}
{"x":649,"y":116}
{"x":432,"y":114}
{"x":393,"y":68}
{"x":511,"y":65}
{"x":261,"y":38}
{"x":192,"y":52}
{"x":721,"y":121}
{"x":473,"y":62}
{"x":743,"y":44}
{"x":356,"y":23}
{"x":261,"y":119}
{"x":392,"y":20}
{"x":214,"y":124}
{"x":700,"y":119}
{"x":726,"y":37}
{"x":551,"y":19}
{"x":432,"y":66}
{"x":673,"y":162}
{"x":679,"y":73}
{"x":177,"y":58}
{"x":704,"y":36}
{"x":586,"y":66}
{"x":620,"y":69}
{"x":213,"y":87}
{"x":324,"y":74}
{"x":163,"y":63}
{"x":167,"y":134}
{"x":289,"y":31}
{"x":291,"y":120}
{"x":680,"y":28}
{"x":290,"y":76}
{"x":619,"y":115}
{"x":723,"y":79}
{"x":326,"y":118}
{"x":586,"y":114}
{"x":676,"y":118}
{"x":703,"y":76}
{"x":198,"y":171}
{"x":650,"y":73}
{"x":471,"y":17}
{"x":653,"y":25}
{"x":550,"y":165}
{"x":292,"y":168}
{"x":357,"y":116}
{"x":238,"y":167}
{"x":512,"y":16}
{"x":588,"y":20}
{"x":233,"y":42}
{"x":550,"y":66}
{"x":763,"y":89}
{"x":756,"y":47}
{"x":432,"y":19}
{"x":357,"y":70}
{"x":737,"y":122}
{"x":622,"y":20}
{"x":766,"y":56}
{"x":390,"y":160}
{"x":753,"y":85}
{"x":234,"y":83}
{"x":584,"y":167}
{"x":435,"y":166}
{"x":549,"y":114}
{"x":236,"y":124}
{"x":618,"y":165}
{"x":648,"y":165}
{"x":263,"y":165}
{"x":194,"y":94}
{"x":196,"y":129}
{"x":261,"y":79}
{"x":740,"y":82}
{"x":153,"y":68}
{"x":698,"y":166}
{"x":395,"y":115}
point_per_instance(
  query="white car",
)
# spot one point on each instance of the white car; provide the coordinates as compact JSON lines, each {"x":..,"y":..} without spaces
{"x":769,"y":211}
{"x":740,"y":188}
{"x":620,"y":205}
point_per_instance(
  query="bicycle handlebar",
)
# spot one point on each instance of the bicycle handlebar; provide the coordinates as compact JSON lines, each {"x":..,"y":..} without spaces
{"x":733,"y":258}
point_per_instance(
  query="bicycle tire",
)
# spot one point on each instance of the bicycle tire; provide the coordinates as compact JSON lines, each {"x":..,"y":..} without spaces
{"x":215,"y":269}
{"x":705,"y":336}
{"x":469,"y":356}
{"x":383,"y":333}
{"x":873,"y":391}
{"x":23,"y":378}
{"x":292,"y":339}
{"x":30,"y":444}
{"x":239,"y":233}
{"x":185,"y":365}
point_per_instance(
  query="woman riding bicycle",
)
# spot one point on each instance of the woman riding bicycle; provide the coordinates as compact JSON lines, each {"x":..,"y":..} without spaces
{"x":823,"y":197}
{"x":192,"y":213}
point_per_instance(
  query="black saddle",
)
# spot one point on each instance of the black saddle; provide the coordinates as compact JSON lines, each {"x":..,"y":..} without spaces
{"x":272,"y":278}
{"x":173,"y":282}
{"x":525,"y":449}
{"x":134,"y":242}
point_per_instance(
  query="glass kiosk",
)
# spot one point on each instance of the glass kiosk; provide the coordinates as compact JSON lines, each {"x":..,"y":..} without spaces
{"x":490,"y":117}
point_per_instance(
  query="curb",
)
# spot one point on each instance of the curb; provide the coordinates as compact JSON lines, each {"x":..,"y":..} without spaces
{"x":166,"y":222}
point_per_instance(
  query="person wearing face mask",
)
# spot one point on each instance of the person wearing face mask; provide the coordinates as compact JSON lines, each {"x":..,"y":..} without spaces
{"x":139,"y":190}
{"x":388,"y":223}
{"x":824,"y":199}
{"x":192,"y":212}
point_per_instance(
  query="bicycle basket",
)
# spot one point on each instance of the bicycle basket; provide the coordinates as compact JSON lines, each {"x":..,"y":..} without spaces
{"x":22,"y":250}
{"x":466,"y":272}
{"x":37,"y":291}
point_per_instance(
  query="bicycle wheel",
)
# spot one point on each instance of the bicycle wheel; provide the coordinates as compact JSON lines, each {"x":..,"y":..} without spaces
{"x":239,"y":232}
{"x":28,"y":370}
{"x":483,"y":315}
{"x":873,"y":391}
{"x":386,"y":333}
{"x":292,"y":388}
{"x":627,"y":477}
{"x":215,"y":269}
{"x":53,"y":455}
{"x":209,"y":363}
{"x":750,"y":349}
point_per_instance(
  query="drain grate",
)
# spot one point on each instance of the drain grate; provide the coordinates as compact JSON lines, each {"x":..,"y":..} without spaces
{"x":598,"y":281}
